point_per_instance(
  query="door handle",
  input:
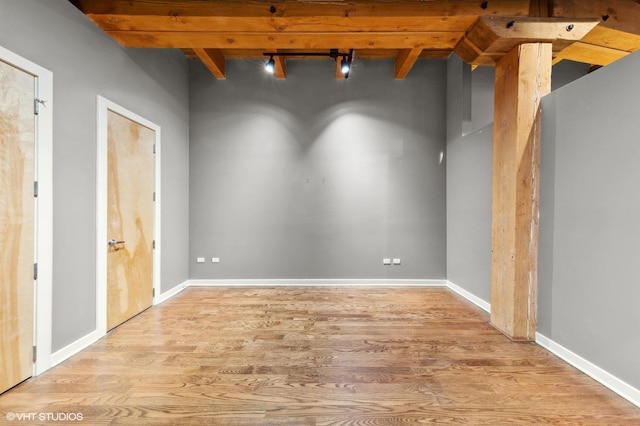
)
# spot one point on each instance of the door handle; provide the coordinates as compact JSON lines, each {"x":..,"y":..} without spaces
{"x":113,"y":242}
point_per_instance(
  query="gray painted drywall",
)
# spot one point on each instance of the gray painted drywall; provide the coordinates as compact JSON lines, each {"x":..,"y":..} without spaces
{"x":317,"y":178}
{"x":589,"y":227}
{"x":154,"y":84}
{"x":468,"y":191}
{"x":482,"y":83}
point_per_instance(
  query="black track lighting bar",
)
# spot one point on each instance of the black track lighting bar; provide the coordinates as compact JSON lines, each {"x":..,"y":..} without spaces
{"x":333,"y":53}
{"x":347,"y":59}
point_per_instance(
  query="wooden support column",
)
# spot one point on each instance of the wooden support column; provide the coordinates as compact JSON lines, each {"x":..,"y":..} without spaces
{"x":522,"y":76}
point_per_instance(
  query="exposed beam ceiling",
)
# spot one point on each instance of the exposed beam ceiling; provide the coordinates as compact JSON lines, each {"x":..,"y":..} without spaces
{"x":480,"y":32}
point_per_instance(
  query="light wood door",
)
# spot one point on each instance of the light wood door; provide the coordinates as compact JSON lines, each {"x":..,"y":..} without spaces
{"x":130,"y":186}
{"x":17,"y":211}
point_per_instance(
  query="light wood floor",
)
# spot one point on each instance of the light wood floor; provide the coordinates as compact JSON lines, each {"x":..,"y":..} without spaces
{"x":317,"y":356}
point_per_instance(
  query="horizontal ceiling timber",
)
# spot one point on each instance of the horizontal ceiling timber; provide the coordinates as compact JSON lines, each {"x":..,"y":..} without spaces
{"x":492,"y":37}
{"x":468,"y":51}
{"x":590,"y":54}
{"x":479,"y":32}
{"x":621,"y":15}
{"x":272,"y":41}
{"x":284,"y":25}
{"x":492,"y":34}
{"x":292,"y":8}
{"x":214,"y":61}
{"x":614,"y":39}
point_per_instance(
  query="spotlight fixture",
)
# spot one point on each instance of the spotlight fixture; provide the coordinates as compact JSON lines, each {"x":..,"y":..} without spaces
{"x":270,"y":66}
{"x":345,"y":65}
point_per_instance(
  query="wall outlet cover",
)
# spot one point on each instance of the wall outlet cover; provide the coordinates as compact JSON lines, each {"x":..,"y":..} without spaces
{"x":215,"y":260}
{"x":396,"y":261}
{"x":386,"y":261}
{"x":200,"y":260}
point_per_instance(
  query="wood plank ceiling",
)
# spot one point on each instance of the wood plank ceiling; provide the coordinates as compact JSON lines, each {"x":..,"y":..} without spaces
{"x":480,"y":32}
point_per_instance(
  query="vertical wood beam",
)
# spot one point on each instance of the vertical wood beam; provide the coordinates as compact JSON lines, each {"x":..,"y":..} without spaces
{"x":522,"y":77}
{"x":214,"y":60}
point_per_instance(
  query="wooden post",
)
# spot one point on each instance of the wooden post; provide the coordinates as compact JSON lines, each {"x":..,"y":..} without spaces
{"x":523,"y":76}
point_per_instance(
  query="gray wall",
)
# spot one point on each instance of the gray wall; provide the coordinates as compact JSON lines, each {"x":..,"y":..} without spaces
{"x":468,"y":189}
{"x":312,"y":177}
{"x":154,"y":84}
{"x":589,"y":227}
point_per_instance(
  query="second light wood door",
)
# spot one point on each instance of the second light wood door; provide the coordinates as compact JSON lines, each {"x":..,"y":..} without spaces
{"x":130,"y":207}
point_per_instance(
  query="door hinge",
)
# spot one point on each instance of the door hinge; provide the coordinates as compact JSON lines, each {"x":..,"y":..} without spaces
{"x":154,"y":244}
{"x":154,"y":196}
{"x":154,"y":148}
{"x":35,"y":271}
{"x":36,"y":105}
{"x":35,"y":353}
{"x":153,"y":292}
{"x":35,"y":189}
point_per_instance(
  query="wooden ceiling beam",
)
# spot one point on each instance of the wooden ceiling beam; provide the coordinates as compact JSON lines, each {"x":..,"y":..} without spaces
{"x":214,"y":60}
{"x":614,"y":39}
{"x":405,"y":60}
{"x":492,"y":37}
{"x":180,"y":9}
{"x":280,"y":69}
{"x":226,"y":24}
{"x":339,"y":40}
{"x":501,"y":34}
{"x":621,"y":15}
{"x":478,"y":31}
{"x":589,"y":54}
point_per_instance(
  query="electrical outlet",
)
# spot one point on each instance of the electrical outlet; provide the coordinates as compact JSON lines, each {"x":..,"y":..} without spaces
{"x":200,"y":260}
{"x":386,"y":261}
{"x":215,"y":260}
{"x":396,"y":261}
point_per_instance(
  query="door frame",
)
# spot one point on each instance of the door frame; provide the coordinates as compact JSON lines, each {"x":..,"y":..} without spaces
{"x":103,"y":106}
{"x":43,"y":232}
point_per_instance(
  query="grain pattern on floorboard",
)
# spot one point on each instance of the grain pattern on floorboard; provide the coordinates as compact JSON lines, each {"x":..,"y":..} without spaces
{"x":317,"y":356}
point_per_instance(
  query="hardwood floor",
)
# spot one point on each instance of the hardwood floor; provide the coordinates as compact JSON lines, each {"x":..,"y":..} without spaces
{"x":316,"y":356}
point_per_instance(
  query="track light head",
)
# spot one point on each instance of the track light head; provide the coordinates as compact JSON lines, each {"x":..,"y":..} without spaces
{"x":270,"y":66}
{"x":346,"y":65}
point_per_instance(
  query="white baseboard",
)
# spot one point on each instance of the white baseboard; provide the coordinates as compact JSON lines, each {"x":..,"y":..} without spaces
{"x":75,"y":347}
{"x":170,"y":293}
{"x":318,"y":283}
{"x":469,"y":296}
{"x":86,"y":341}
{"x":620,"y":387}
{"x":608,"y":380}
